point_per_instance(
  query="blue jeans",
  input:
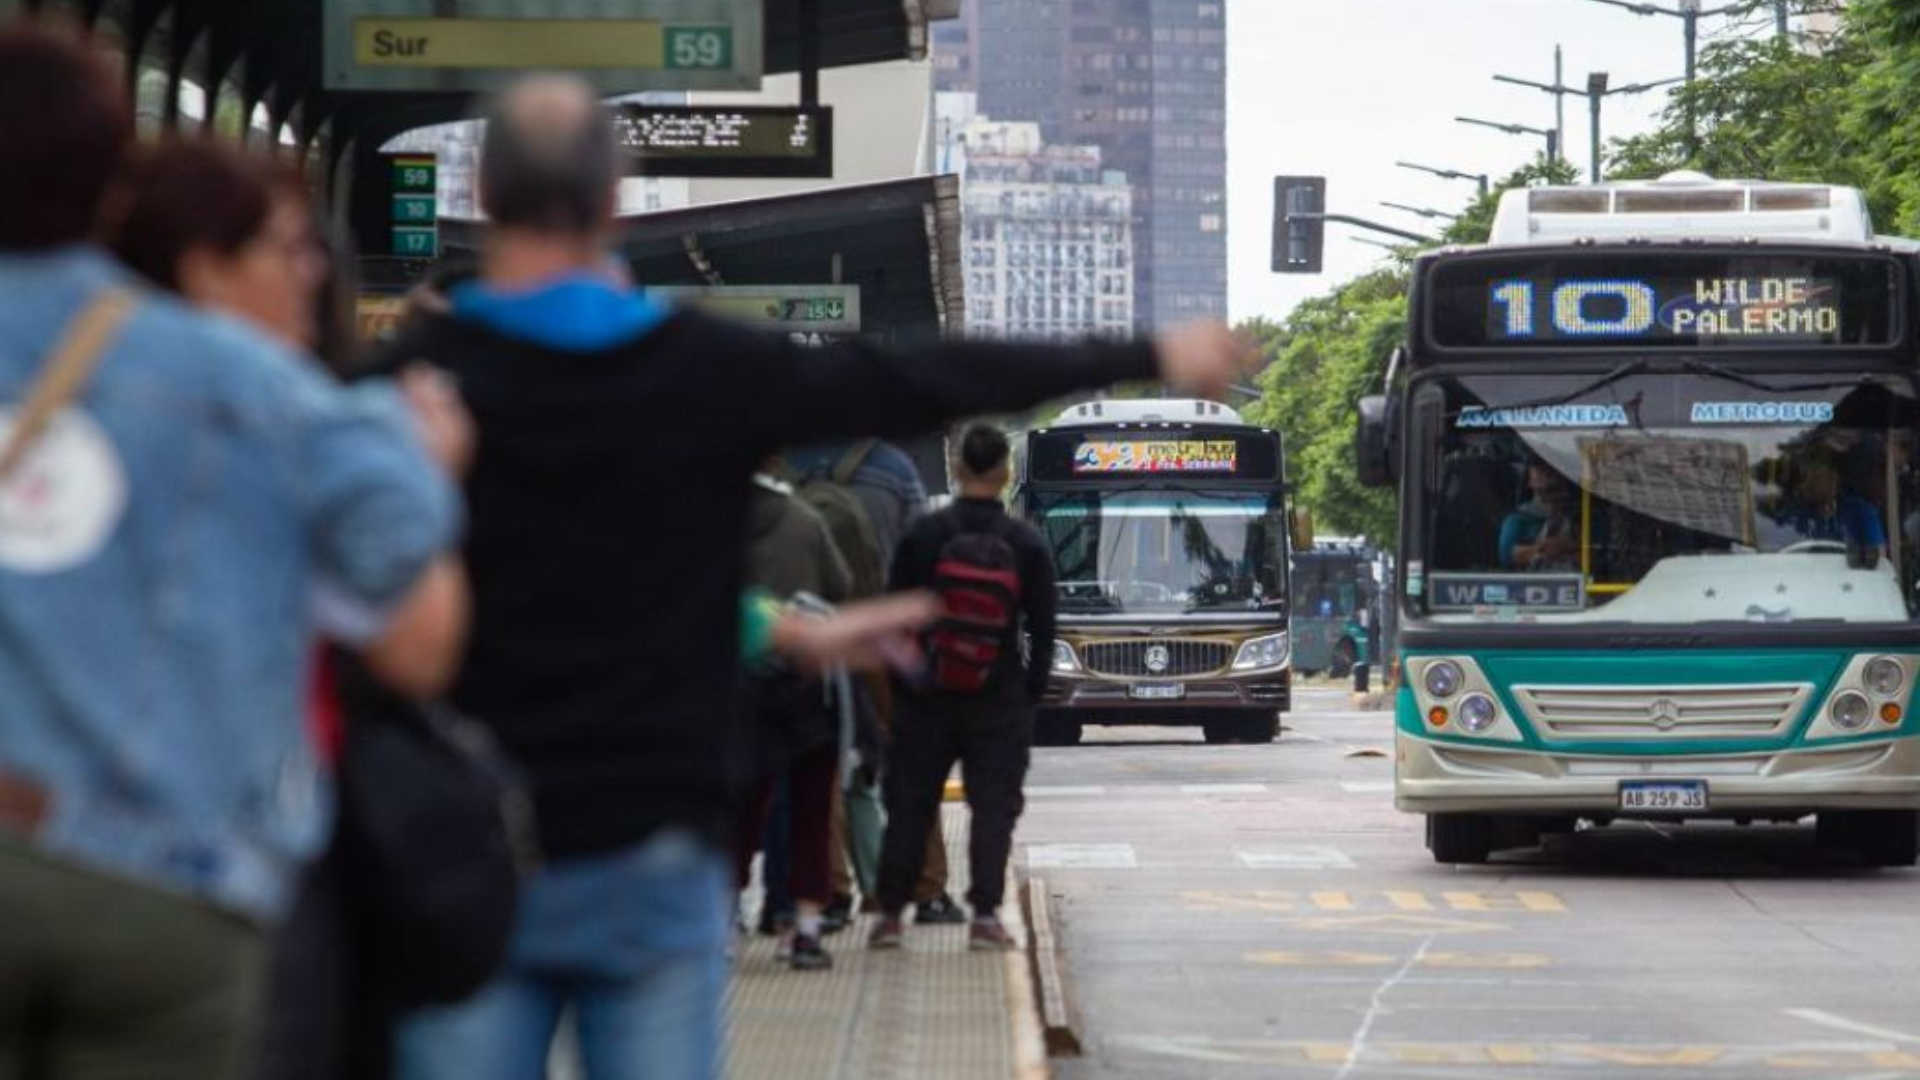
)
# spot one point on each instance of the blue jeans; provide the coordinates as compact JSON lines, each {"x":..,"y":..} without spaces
{"x":634,"y":943}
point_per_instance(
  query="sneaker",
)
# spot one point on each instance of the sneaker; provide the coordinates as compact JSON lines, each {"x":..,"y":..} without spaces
{"x":939,"y":911}
{"x":837,"y":915}
{"x":807,"y":955}
{"x":886,"y":933}
{"x":783,"y":947}
{"x":990,"y":935}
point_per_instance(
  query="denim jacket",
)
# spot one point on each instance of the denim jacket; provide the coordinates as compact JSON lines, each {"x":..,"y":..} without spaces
{"x":159,"y":554}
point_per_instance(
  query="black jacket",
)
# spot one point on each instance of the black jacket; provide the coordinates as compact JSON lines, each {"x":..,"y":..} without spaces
{"x":608,"y":528}
{"x":913,"y":567}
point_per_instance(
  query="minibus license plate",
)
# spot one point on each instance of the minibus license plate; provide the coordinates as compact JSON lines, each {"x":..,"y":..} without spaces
{"x":1158,"y":692}
{"x":1664,"y":796}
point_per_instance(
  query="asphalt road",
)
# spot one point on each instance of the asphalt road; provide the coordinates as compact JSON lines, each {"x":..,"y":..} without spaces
{"x":1263,"y":911}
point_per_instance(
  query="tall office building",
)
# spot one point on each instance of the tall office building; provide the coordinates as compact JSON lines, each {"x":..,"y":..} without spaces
{"x":1145,"y":81}
{"x":1049,"y":230}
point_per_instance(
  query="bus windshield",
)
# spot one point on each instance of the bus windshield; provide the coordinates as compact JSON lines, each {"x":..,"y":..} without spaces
{"x":1164,"y":552}
{"x":1711,"y":496}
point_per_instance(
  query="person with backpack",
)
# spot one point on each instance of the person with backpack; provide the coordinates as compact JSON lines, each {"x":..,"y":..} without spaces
{"x":792,"y":555}
{"x":974,"y":703}
{"x":869,"y":492}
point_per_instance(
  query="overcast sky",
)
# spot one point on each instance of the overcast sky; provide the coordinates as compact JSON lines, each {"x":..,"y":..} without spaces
{"x":1344,"y":88}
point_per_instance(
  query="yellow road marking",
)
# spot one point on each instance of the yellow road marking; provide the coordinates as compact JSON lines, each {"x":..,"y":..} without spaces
{"x":1526,"y":901}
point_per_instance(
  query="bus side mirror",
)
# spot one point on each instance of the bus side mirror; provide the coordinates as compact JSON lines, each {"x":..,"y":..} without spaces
{"x":1370,"y":448}
{"x":1300,"y":529}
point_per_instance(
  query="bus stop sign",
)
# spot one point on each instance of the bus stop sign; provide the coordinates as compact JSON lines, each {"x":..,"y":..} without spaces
{"x":479,"y":45}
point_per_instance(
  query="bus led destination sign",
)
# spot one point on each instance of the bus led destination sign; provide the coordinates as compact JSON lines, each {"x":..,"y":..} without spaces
{"x":1664,"y":298}
{"x":1156,"y":456}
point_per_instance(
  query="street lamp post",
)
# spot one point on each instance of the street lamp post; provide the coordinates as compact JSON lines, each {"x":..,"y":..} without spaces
{"x":1690,"y":12}
{"x":1422,"y":211}
{"x":1450,"y":174}
{"x":1597,"y":89}
{"x":1552,"y":136}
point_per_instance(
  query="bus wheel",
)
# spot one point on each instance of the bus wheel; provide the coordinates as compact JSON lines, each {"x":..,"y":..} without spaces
{"x":1460,"y":838}
{"x":1056,"y":731}
{"x":1876,"y":837}
{"x":1345,"y":655}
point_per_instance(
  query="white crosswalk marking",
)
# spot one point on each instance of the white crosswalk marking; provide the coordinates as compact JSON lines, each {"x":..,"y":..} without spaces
{"x":1367,"y":787}
{"x":1223,"y":789}
{"x":1081,"y":857}
{"x":1065,"y":791}
{"x":1295,"y":857}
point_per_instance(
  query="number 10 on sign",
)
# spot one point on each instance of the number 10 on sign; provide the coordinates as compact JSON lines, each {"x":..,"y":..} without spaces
{"x":1628,"y":308}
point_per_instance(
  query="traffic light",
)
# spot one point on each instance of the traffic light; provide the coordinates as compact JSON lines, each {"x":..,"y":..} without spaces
{"x":1299,"y":225}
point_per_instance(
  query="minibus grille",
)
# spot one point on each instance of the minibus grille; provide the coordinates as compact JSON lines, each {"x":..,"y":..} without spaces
{"x":1643,"y":712}
{"x":1140,"y":659}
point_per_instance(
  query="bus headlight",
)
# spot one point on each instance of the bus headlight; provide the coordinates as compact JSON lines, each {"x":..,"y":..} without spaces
{"x":1262,"y":652}
{"x":1443,"y":679}
{"x":1850,"y":711}
{"x":1884,"y":676}
{"x":1065,"y":662}
{"x":1477,"y":713}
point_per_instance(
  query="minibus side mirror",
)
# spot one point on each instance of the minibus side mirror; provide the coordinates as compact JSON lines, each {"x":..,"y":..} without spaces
{"x":1370,"y":447}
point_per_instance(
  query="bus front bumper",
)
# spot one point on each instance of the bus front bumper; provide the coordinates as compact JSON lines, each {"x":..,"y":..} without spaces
{"x":1096,"y":700}
{"x":1433,"y":777}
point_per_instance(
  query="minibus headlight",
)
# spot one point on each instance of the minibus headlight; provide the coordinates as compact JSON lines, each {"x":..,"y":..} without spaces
{"x":1850,"y":711}
{"x":1885,"y":676}
{"x":1064,"y":660}
{"x":1477,"y":713}
{"x":1261,"y":652}
{"x":1444,"y":679}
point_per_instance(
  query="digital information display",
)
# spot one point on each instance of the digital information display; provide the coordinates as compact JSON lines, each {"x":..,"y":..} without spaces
{"x":751,"y":141}
{"x":1174,"y":455}
{"x":1664,"y":298}
{"x":467,"y":46}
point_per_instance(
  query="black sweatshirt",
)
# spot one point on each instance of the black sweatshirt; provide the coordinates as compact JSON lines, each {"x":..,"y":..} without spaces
{"x":919,"y":552}
{"x":608,"y":526}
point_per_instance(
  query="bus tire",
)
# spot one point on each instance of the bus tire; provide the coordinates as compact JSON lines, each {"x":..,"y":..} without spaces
{"x":1460,"y":838}
{"x":1345,"y":655}
{"x":1057,"y":731}
{"x":1876,"y":837}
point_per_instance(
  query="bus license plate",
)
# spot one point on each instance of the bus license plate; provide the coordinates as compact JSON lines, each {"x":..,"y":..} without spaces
{"x":1664,"y":796}
{"x":1157,"y":692}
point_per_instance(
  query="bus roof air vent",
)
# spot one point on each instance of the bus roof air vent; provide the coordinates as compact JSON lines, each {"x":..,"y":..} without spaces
{"x":1682,"y":205}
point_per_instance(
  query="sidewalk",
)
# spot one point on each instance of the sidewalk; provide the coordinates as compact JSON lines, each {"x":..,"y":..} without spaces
{"x":932,"y":1011}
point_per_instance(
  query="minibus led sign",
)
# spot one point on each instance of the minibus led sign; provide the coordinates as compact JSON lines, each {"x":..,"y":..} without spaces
{"x":1156,"y":456}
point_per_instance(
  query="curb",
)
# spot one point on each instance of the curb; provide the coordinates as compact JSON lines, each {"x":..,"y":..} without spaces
{"x":1043,"y":964}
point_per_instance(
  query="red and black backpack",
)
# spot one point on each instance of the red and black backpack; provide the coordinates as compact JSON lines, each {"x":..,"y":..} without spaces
{"x":977,"y":578}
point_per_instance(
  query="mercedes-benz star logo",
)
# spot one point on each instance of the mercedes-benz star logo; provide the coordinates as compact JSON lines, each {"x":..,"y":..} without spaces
{"x":1666,"y":714}
{"x":1159,"y":659}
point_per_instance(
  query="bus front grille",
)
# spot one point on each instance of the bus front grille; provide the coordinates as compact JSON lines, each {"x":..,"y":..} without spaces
{"x":1155,"y":659}
{"x":1644,"y":712}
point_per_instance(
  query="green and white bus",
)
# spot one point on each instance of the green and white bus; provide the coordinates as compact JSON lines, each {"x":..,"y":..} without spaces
{"x":1336,"y":593}
{"x":1660,"y":518}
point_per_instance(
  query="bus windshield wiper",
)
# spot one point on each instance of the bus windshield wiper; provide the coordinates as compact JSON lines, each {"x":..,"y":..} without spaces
{"x":1626,"y":370}
{"x":1753,"y":382}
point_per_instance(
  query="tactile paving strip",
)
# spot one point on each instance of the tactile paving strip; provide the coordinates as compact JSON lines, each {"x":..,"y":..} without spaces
{"x":932,"y":1011}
